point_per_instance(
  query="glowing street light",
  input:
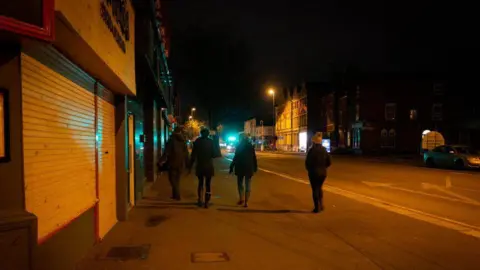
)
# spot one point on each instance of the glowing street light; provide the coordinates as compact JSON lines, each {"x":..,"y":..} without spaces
{"x":193,"y":111}
{"x":271,"y":92}
{"x":190,"y":117}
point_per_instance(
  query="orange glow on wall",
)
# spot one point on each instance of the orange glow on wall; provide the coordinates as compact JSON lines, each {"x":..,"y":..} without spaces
{"x":2,"y":127}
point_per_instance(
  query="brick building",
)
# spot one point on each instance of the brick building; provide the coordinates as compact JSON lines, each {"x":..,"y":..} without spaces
{"x":390,"y":113}
{"x":299,"y":116}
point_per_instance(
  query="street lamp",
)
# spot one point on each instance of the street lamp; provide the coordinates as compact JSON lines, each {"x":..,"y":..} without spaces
{"x":271,"y":92}
{"x":190,"y":117}
{"x":193,"y":111}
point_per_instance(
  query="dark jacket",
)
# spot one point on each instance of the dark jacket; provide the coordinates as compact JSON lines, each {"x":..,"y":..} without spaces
{"x":203,"y":154}
{"x":245,"y":161}
{"x":176,"y":152}
{"x":318,"y":160}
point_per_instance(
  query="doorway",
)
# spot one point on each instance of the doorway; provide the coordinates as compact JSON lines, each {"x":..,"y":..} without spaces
{"x":131,"y":160}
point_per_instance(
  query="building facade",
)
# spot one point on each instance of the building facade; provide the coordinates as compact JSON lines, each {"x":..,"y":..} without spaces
{"x":392,"y":113}
{"x":77,"y":134}
{"x":299,"y":116}
{"x":291,"y":123}
{"x":260,"y":132}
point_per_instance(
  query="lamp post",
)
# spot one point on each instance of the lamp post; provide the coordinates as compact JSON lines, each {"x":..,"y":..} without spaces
{"x":263,"y":137}
{"x":271,"y":92}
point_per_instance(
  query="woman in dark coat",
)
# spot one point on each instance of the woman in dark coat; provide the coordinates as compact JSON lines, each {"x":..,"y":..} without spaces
{"x":245,"y":165}
{"x":317,"y":162}
{"x":203,"y":153}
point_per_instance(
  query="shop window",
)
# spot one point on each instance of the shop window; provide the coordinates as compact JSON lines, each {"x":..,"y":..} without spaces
{"x":390,"y":111}
{"x":3,"y":125}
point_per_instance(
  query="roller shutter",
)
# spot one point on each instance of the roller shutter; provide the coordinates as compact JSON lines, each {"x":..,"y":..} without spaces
{"x":106,"y":161}
{"x":59,"y":146}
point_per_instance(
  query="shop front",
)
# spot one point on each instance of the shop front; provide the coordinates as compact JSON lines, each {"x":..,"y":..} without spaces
{"x":67,"y":80}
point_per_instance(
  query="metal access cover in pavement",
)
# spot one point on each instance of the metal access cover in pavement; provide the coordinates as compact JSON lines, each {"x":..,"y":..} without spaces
{"x":126,"y":253}
{"x":209,"y":257}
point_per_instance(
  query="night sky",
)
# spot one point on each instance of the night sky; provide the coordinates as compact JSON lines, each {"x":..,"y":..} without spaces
{"x":226,"y":53}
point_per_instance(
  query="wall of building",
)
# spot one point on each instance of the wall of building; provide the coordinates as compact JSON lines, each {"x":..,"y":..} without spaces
{"x":95,"y":32}
{"x":11,"y":186}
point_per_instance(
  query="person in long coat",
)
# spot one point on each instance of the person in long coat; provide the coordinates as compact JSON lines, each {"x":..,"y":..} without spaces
{"x":203,"y":153}
{"x":176,"y":158}
{"x":316,"y":163}
{"x":245,"y":165}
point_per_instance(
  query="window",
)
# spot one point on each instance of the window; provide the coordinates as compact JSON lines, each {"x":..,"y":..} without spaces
{"x":439,"y":149}
{"x":387,"y":138}
{"x":303,"y":120}
{"x":390,"y":111}
{"x":437,"y":112}
{"x":438,"y":89}
{"x":356,"y":138}
{"x":413,"y":114}
{"x":357,"y":112}
{"x":3,"y":125}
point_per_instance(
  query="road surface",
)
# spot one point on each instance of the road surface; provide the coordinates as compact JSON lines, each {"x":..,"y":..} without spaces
{"x":444,"y":193}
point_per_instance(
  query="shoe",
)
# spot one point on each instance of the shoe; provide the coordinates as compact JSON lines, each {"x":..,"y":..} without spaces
{"x":315,"y":210}
{"x":245,"y":205}
{"x":240,"y":202}
{"x":199,"y":203}
{"x":207,"y":199}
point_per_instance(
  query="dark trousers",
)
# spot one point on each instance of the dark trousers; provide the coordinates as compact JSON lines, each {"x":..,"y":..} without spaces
{"x":244,"y":190}
{"x":174,"y":178}
{"x":204,"y":181}
{"x":316,"y":183}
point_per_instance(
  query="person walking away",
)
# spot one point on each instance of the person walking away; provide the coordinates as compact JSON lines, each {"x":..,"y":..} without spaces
{"x":245,"y":165}
{"x":176,"y":159}
{"x":316,"y":163}
{"x":203,"y":153}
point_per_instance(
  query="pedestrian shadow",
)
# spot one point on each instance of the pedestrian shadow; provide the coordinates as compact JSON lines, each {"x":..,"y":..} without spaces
{"x":263,"y":211}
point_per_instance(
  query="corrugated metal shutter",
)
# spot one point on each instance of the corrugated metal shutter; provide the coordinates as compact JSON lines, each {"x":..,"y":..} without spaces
{"x":59,"y":146}
{"x":106,"y":161}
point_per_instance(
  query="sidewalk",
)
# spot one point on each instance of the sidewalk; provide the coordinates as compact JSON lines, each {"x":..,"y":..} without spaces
{"x":173,"y":233}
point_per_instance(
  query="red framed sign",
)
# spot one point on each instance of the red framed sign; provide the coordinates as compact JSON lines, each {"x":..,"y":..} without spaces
{"x":17,"y":18}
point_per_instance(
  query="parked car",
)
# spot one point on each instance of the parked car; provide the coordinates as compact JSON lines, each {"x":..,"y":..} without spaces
{"x":452,"y":156}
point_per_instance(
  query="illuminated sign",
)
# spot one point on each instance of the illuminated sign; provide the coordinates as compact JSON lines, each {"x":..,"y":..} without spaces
{"x":120,"y":15}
